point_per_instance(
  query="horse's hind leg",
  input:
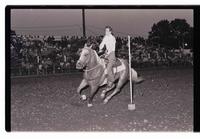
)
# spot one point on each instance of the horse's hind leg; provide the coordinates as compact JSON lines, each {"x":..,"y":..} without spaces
{"x":120,"y":83}
{"x":103,"y":94}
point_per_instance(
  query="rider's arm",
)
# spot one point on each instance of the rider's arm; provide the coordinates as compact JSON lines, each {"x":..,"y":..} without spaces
{"x":102,"y":44}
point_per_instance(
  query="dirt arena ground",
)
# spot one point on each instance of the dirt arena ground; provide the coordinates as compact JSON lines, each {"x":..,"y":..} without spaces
{"x":164,"y":102}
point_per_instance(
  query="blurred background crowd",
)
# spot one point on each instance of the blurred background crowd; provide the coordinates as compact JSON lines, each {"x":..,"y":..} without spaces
{"x":42,"y":55}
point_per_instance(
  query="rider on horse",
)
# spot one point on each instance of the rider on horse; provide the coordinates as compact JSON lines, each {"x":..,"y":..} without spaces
{"x":109,"y":41}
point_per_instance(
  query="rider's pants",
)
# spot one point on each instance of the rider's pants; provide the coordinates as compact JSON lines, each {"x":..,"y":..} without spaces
{"x":111,"y":61}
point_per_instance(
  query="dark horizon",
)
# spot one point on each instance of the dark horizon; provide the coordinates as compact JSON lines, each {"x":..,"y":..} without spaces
{"x":59,"y":22}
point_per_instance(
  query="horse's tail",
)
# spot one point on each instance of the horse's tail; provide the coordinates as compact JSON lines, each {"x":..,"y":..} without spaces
{"x":135,"y":77}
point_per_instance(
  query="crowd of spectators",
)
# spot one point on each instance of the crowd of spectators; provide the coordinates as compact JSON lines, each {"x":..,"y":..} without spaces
{"x":39,"y":55}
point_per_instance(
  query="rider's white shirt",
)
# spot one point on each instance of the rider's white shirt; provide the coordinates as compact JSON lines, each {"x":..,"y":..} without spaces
{"x":109,"y":41}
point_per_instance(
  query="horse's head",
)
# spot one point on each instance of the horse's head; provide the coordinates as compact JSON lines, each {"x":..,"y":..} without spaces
{"x":85,"y":56}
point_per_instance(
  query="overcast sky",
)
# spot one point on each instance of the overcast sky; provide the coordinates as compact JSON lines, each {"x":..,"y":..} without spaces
{"x":136,"y":22}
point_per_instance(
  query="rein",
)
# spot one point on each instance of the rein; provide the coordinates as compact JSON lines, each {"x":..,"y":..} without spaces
{"x":92,"y":68}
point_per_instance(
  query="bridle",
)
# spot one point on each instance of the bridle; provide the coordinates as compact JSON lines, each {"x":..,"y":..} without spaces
{"x":92,"y":68}
{"x":90,"y":58}
{"x":88,"y":70}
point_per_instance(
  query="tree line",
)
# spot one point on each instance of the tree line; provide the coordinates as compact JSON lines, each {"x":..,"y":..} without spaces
{"x":164,"y":34}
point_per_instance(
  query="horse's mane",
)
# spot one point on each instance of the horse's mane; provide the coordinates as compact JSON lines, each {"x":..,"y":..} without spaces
{"x":99,"y":60}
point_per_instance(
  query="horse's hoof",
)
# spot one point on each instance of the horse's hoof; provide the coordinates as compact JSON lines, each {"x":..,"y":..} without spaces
{"x":83,"y":97}
{"x":105,"y":101}
{"x":103,"y":96}
{"x":89,"y":105}
{"x":104,"y":91}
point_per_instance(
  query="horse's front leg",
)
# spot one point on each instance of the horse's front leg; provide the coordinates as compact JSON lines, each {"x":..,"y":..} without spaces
{"x":93,"y":90}
{"x":82,"y":85}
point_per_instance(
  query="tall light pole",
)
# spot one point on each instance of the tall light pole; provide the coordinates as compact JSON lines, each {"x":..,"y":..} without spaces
{"x":83,"y":19}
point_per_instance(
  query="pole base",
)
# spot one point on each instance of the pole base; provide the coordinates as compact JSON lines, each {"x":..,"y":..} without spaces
{"x":131,"y":107}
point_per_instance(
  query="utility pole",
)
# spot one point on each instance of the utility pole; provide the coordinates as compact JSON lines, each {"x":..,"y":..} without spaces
{"x":83,"y":17}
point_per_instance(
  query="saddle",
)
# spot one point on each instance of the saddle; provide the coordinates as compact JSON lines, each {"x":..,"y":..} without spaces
{"x":116,"y":64}
{"x":117,"y":67}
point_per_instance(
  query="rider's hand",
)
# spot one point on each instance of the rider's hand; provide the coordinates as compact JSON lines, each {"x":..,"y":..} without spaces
{"x":100,"y":51}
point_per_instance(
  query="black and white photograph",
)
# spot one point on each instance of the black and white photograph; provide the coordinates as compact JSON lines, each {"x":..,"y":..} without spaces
{"x":101,"y":69}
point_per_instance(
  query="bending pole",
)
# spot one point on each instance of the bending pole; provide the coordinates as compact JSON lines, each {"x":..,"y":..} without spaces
{"x":83,"y":18}
{"x":131,"y":106}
